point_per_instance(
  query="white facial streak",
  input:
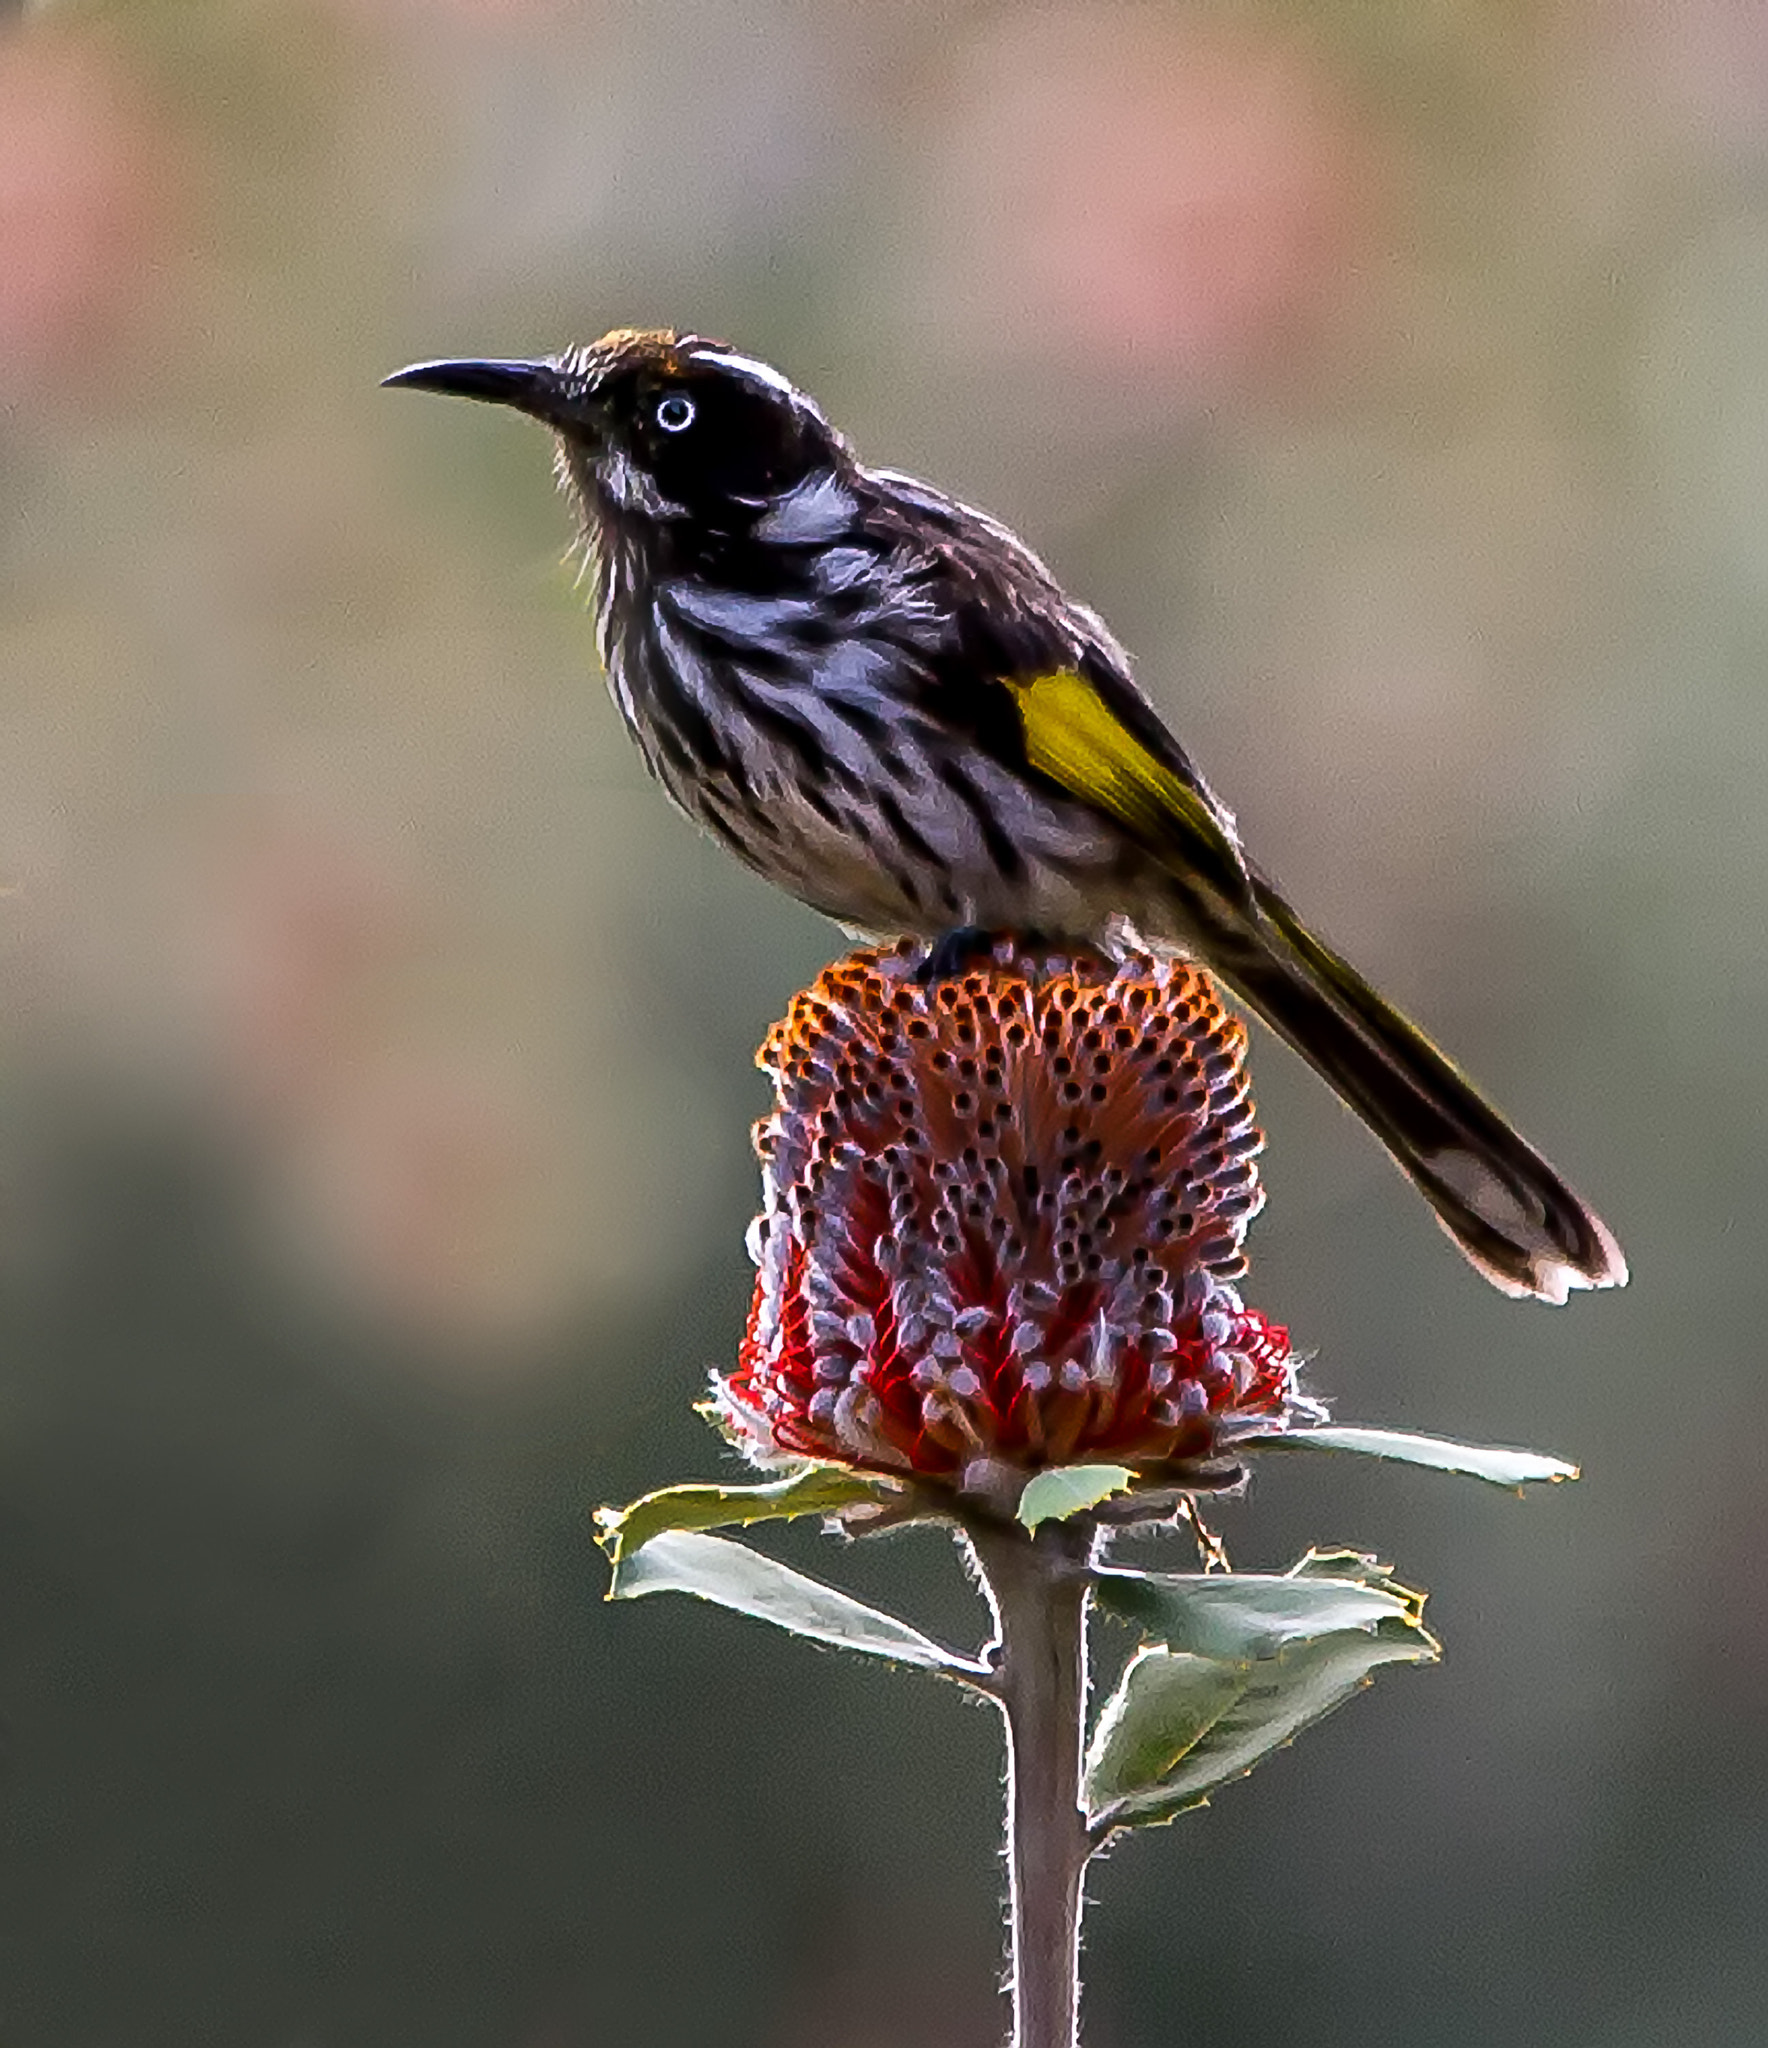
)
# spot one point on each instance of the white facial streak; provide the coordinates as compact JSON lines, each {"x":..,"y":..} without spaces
{"x":819,"y":509}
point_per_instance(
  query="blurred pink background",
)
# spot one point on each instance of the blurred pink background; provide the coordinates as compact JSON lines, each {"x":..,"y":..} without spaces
{"x":375,"y":1069}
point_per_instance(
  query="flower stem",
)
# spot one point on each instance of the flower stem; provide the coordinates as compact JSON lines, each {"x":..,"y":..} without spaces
{"x":1038,"y":1587}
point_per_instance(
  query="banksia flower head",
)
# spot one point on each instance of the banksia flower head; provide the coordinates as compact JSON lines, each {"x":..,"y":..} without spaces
{"x":1003,"y":1217}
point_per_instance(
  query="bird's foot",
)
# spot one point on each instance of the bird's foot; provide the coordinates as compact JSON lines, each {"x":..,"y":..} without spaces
{"x":954,"y":953}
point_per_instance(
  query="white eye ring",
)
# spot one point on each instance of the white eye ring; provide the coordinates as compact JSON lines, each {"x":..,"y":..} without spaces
{"x":675,"y":412}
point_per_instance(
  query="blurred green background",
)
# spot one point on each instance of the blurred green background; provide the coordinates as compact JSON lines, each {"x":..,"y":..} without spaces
{"x":376,"y":1062}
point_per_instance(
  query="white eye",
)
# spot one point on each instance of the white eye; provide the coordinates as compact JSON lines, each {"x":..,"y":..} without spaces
{"x":675,"y":411}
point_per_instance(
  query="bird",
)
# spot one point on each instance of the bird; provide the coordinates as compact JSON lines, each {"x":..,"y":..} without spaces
{"x":880,"y":699}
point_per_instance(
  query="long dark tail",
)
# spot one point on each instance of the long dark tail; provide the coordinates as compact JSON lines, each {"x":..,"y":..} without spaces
{"x":1494,"y":1194}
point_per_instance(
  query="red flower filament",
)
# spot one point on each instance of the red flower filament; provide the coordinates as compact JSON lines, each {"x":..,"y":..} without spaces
{"x":1002,"y":1220}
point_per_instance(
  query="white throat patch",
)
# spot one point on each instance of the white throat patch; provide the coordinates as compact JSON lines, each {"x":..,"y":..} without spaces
{"x":631,"y":489}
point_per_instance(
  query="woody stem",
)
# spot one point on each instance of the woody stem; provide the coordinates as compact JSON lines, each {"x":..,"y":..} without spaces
{"x":1038,"y":1587}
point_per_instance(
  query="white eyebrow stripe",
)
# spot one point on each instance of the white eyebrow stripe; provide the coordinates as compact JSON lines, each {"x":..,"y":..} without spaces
{"x":746,"y":366}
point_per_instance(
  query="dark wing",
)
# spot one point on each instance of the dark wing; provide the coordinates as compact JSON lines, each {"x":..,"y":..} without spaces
{"x":1038,"y":683}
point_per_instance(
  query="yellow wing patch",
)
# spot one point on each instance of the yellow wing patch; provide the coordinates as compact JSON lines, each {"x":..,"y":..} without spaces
{"x":1072,"y":736}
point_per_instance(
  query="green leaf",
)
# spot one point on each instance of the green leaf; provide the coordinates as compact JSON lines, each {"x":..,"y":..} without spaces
{"x":1279,"y":1696}
{"x":1164,"y":1703}
{"x":1349,"y":1564}
{"x":1067,"y":1490}
{"x":1481,"y":1461}
{"x":815,"y":1490}
{"x":734,"y":1576}
{"x":1243,"y":1663}
{"x":1240,"y":1615}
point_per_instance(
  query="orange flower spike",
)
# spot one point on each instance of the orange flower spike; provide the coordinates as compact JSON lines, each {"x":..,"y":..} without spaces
{"x":1002,"y":1220}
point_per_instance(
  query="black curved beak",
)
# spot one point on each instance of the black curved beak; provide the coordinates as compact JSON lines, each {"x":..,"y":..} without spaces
{"x":536,"y":388}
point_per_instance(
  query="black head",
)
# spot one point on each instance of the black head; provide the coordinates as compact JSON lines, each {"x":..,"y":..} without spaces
{"x":657,"y":425}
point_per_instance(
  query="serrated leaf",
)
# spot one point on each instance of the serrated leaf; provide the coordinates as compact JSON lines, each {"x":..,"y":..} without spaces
{"x":1360,"y":1565}
{"x":1165,"y":1702}
{"x":1490,"y":1462}
{"x":734,"y":1576}
{"x":816,"y":1490}
{"x":1279,"y":1696}
{"x":1241,"y":1615}
{"x":1066,"y":1490}
{"x":1277,"y":1650}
